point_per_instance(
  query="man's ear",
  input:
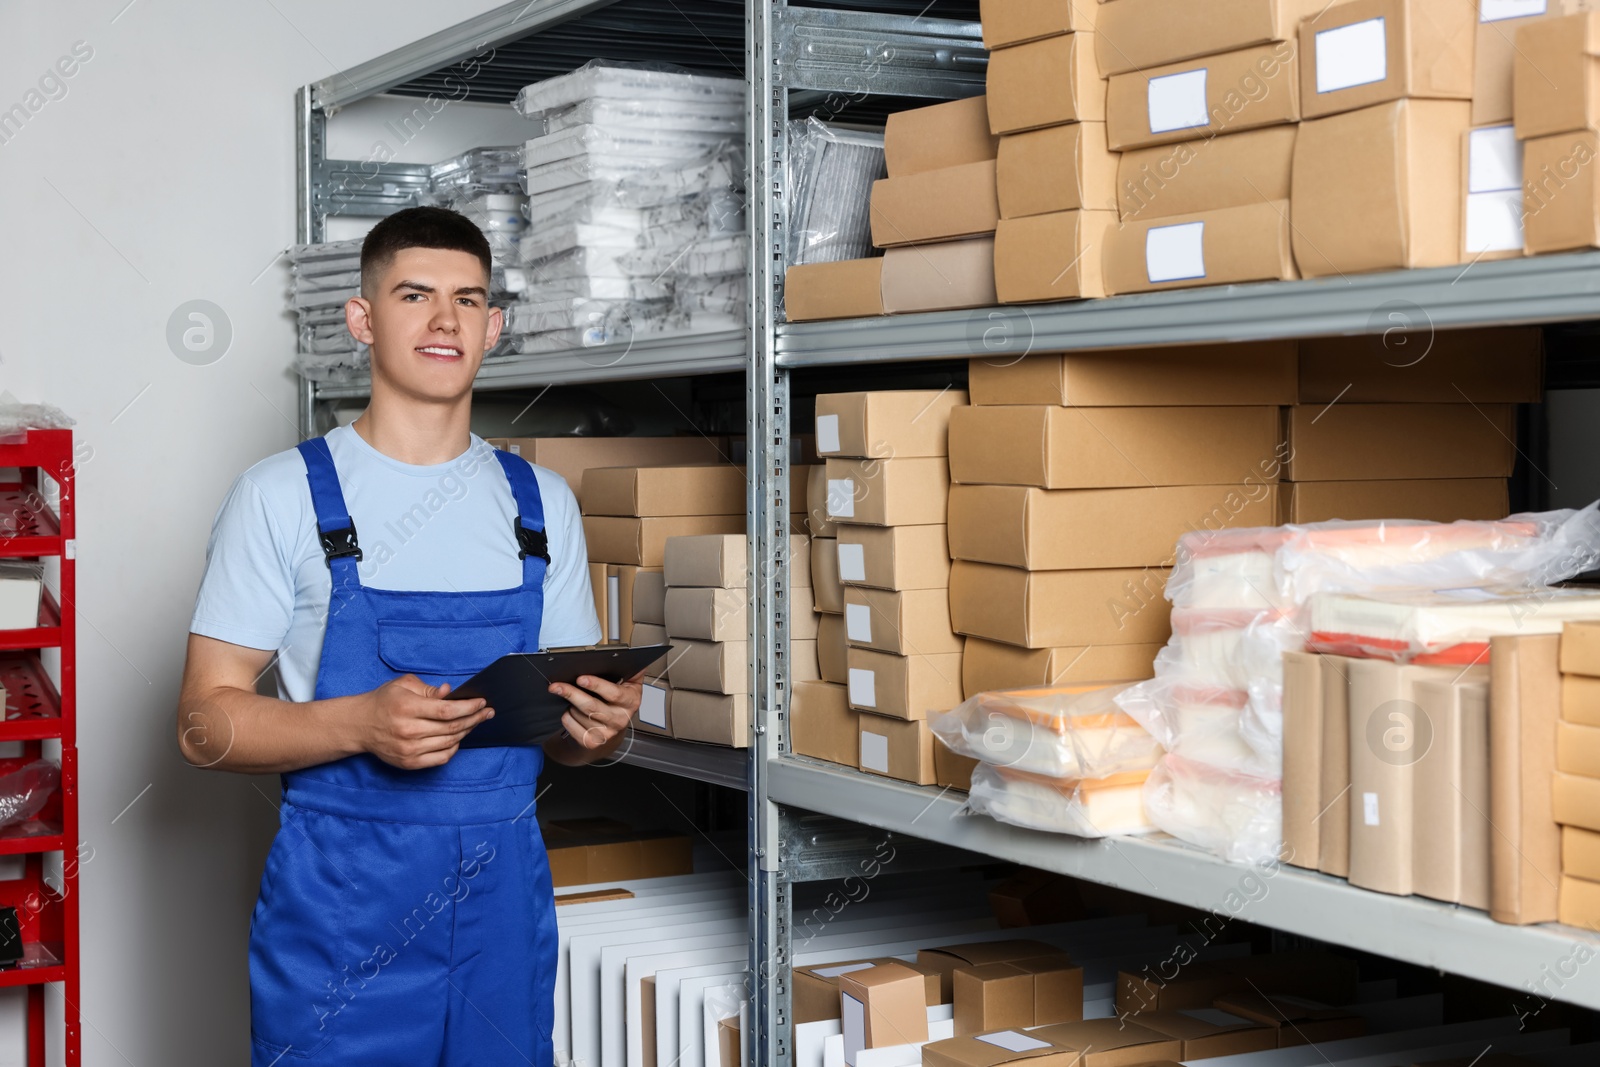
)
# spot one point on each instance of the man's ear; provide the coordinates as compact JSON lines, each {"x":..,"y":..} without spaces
{"x":497,"y":322}
{"x":358,"y":317}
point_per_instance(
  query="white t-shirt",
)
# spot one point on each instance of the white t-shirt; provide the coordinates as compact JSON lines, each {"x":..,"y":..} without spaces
{"x":444,"y":527}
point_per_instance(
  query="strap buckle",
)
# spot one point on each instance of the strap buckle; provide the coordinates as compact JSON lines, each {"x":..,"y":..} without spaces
{"x":337,"y":544}
{"x":531,"y":542}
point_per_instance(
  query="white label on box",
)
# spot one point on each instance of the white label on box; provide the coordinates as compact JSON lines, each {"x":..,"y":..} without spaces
{"x":858,"y":623}
{"x":1495,"y":10}
{"x":516,"y":450}
{"x":1214,"y":1016}
{"x":1012,"y":1041}
{"x":1494,"y":222}
{"x":653,"y":706}
{"x":853,"y":1024}
{"x":841,"y":498}
{"x":1369,"y":808}
{"x":1347,"y":56}
{"x":844,"y":968}
{"x":863,"y":687}
{"x":613,"y":607}
{"x":1494,"y":160}
{"x":827,"y":434}
{"x":1178,"y":101}
{"x":875,"y":751}
{"x":852,"y":563}
{"x":1173,"y":253}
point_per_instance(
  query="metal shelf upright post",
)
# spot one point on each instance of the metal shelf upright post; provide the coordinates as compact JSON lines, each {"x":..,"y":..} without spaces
{"x":39,"y":709}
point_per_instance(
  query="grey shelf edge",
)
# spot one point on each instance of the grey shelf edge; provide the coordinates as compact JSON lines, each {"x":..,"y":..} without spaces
{"x":1457,"y":940}
{"x":656,"y":357}
{"x":1553,"y":288}
{"x":728,"y":767}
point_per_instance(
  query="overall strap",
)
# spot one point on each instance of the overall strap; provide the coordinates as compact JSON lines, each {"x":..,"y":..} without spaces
{"x":336,"y":531}
{"x":532,"y":543}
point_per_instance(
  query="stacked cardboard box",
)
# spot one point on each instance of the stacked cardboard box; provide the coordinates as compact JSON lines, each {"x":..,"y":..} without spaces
{"x":888,"y":480}
{"x":1557,"y":114}
{"x":1577,"y":775}
{"x":822,"y":724}
{"x":1203,"y":107}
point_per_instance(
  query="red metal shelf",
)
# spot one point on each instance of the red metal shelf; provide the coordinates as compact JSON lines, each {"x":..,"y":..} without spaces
{"x":27,"y":525}
{"x":35,"y":835}
{"x":32,"y":709}
{"x":46,"y":635}
{"x":41,"y":962}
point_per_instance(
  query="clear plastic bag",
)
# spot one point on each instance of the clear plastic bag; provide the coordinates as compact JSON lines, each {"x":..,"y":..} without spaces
{"x":1238,"y":816}
{"x":656,"y":84}
{"x":1441,"y":627}
{"x":831,"y":171}
{"x":24,"y":791}
{"x":1054,"y":731}
{"x":1105,"y":807}
{"x":1228,"y":648}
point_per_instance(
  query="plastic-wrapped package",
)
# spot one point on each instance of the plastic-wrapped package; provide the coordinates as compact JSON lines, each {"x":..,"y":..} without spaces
{"x":831,"y":171}
{"x":1238,"y":816}
{"x":594,"y":287}
{"x":656,"y":84}
{"x":547,"y":315}
{"x":1074,"y":731}
{"x":723,"y":169}
{"x":1103,"y":807}
{"x":1443,"y":626}
{"x":16,"y":417}
{"x":23,"y":792}
{"x":726,"y":118}
{"x":1216,"y":725}
{"x":636,"y":149}
{"x":726,"y":294}
{"x":494,"y":169}
{"x":589,"y":202}
{"x":1228,"y":647}
{"x":718,"y":255}
{"x":593,"y":261}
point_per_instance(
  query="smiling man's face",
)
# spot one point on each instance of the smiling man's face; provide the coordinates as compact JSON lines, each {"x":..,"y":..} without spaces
{"x":428,"y":322}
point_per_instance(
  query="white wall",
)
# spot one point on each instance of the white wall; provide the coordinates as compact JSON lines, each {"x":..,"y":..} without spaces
{"x":164,"y":174}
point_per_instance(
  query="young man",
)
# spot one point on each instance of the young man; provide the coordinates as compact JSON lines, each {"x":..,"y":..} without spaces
{"x":405,"y":913}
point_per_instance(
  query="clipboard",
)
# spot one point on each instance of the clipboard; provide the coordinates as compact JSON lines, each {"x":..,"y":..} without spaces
{"x":517,"y":687}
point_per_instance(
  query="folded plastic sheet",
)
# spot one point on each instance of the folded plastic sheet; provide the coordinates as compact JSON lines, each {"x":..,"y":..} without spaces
{"x":1236,"y":815}
{"x":1057,"y":731}
{"x":653,"y":84}
{"x":831,"y":171}
{"x":1105,"y":807}
{"x":1451,"y":626}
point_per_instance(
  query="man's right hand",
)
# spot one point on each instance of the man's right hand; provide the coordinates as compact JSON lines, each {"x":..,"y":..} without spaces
{"x":408,"y":724}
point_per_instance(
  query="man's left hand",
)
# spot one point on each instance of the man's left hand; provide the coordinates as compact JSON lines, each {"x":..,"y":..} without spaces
{"x":600,"y":712}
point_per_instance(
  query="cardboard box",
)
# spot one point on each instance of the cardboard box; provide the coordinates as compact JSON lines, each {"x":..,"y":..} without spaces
{"x":954,"y":274}
{"x":1112,"y":1042}
{"x":888,"y":492}
{"x":935,"y":205}
{"x":1045,"y":83}
{"x":1435,"y":500}
{"x":844,"y":289}
{"x":1364,"y":52}
{"x":1148,"y":33}
{"x":711,"y":717}
{"x":1580,"y":903}
{"x":1297,"y":1021}
{"x":799,"y":561}
{"x":1048,"y":609}
{"x":1341,"y":442}
{"x":1070,"y":529}
{"x":1259,"y":372}
{"x":1198,"y":98}
{"x":612,"y":852}
{"x":803,"y":615}
{"x":894,"y":557}
{"x":1321,"y":975}
{"x":896,"y":748}
{"x":730,"y":1043}
{"x":1525,"y":852}
{"x":1234,"y":244}
{"x":1379,"y":188}
{"x":1580,"y":699}
{"x":1051,"y":257}
{"x":1207,"y":1032}
{"x":1577,"y":801}
{"x":1559,"y":201}
{"x":1023,"y":993}
{"x":707,"y":614}
{"x":1090,"y":448}
{"x":938,"y":136}
{"x":815,"y":990}
{"x":1492,"y":199}
{"x":831,"y":650}
{"x":988,"y":665}
{"x":994,"y":1050}
{"x":1494,"y":57}
{"x":571,"y":456}
{"x":705,"y":489}
{"x":1578,"y":750}
{"x":655,"y":710}
{"x":1494,"y":364}
{"x":649,"y":633}
{"x":880,"y":1006}
{"x":1302,"y":759}
{"x":1009,"y":22}
{"x":622,"y":584}
{"x":952,"y":770}
{"x":598,"y":588}
{"x":825,"y":584}
{"x":1580,"y":853}
{"x":1190,"y":176}
{"x":822,"y":726}
{"x":1336,"y":802}
{"x":1580,"y":649}
{"x":906,"y":622}
{"x":1556,"y":76}
{"x":593,"y":896}
{"x":886,"y":423}
{"x":710,"y":666}
{"x":817,"y":521}
{"x":709,"y":561}
{"x":1058,"y":168}
{"x":803,"y":663}
{"x":643,"y":542}
{"x":947,"y":958}
{"x":1451,"y":831}
{"x":1032,"y":897}
{"x":903,"y":687}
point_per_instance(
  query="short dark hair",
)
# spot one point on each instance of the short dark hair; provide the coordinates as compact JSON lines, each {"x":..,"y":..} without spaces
{"x":420,"y":227}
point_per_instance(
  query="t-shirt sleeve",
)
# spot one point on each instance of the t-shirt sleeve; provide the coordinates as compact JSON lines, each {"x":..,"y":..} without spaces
{"x":569,"y":615}
{"x":247,"y":592}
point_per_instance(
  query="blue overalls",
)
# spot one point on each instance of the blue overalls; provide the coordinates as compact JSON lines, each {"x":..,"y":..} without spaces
{"x":406,"y":917}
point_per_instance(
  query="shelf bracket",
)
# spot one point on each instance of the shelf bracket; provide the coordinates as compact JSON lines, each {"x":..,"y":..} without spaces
{"x":873,"y":54}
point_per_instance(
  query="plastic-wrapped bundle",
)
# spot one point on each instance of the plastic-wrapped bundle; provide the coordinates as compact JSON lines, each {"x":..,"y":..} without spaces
{"x":491,"y":170}
{"x":541,"y":288}
{"x":726,"y":118}
{"x":727,"y":294}
{"x":1103,"y":807}
{"x":1214,"y":725}
{"x":831,"y":171}
{"x":1441,"y":627}
{"x":632,"y":149}
{"x":23,"y":792}
{"x":1236,"y":815}
{"x":653,"y":84}
{"x":1072,"y":731}
{"x":722,"y":169}
{"x":608,"y":316}
{"x":324,"y":277}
